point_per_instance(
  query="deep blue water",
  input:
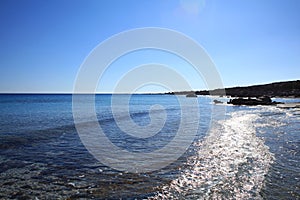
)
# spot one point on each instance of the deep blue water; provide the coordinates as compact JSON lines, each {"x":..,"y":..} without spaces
{"x":248,"y":153}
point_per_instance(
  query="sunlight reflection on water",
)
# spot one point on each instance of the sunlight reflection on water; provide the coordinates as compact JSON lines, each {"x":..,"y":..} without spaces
{"x":230,"y":163}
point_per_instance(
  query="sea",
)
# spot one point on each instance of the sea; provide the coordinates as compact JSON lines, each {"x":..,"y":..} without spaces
{"x":238,"y":152}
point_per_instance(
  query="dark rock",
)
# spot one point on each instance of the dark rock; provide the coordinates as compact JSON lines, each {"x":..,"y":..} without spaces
{"x":265,"y":99}
{"x":252,"y":101}
{"x":217,"y":101}
{"x":191,"y":95}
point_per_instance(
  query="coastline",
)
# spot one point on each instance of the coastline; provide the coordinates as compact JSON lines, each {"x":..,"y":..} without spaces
{"x":285,"y":89}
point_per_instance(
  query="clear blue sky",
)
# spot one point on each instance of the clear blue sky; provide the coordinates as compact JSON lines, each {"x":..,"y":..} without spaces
{"x":43,"y":42}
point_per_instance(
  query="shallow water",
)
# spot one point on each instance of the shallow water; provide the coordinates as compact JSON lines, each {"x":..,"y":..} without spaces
{"x":250,"y":153}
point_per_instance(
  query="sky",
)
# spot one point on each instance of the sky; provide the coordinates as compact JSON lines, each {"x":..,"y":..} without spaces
{"x":44,"y":43}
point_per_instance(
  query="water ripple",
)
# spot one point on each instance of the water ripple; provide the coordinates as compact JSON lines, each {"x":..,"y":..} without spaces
{"x":231,"y":163}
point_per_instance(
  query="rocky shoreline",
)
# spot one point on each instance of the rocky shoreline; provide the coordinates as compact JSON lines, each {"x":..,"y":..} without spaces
{"x":278,"y":89}
{"x":253,"y":95}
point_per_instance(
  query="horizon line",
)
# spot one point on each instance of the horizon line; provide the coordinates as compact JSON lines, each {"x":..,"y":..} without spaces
{"x":165,"y":92}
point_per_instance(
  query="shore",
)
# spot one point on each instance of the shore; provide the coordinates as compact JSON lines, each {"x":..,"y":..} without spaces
{"x":287,"y":89}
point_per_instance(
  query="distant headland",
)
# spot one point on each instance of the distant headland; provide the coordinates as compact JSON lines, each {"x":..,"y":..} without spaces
{"x":277,"y":89}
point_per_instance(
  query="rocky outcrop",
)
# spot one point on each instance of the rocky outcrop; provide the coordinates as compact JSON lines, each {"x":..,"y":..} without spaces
{"x":253,"y":101}
{"x":217,"y":101}
{"x":191,"y":95}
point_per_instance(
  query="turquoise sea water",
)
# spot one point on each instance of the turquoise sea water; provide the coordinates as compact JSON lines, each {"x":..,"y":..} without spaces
{"x":248,"y":153}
